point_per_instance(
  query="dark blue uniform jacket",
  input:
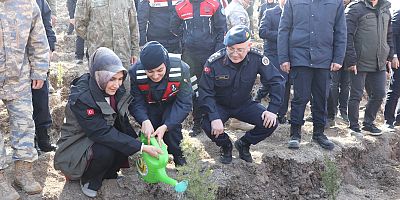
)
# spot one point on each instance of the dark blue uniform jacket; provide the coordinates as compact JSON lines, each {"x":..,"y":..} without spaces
{"x":46,"y":18}
{"x":200,"y":24}
{"x":225,"y":85}
{"x":312,"y":33}
{"x":154,"y":19}
{"x":181,"y":103}
{"x":269,"y":30}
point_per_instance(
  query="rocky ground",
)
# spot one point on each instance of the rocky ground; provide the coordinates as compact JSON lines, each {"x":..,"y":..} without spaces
{"x":368,"y":167}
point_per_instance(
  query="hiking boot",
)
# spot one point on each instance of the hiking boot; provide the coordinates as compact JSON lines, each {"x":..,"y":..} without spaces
{"x":179,"y":160}
{"x":88,"y":192}
{"x":295,"y":137}
{"x":43,"y":140}
{"x":244,"y":150}
{"x":372,"y":129}
{"x":226,"y":154}
{"x":321,"y":139}
{"x":355,"y":129}
{"x":7,"y":192}
{"x":196,"y":130}
{"x":24,"y":177}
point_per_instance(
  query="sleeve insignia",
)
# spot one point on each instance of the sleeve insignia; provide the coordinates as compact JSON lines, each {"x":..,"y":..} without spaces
{"x":265,"y":60}
{"x":207,"y":70}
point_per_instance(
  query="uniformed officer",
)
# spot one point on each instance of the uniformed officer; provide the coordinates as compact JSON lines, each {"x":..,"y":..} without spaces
{"x":225,"y":92}
{"x":201,"y":26}
{"x":236,"y":13}
{"x":160,"y":85}
{"x":24,"y":53}
{"x":154,"y":18}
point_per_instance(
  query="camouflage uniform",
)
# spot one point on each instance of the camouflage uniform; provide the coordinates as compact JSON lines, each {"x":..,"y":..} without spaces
{"x":109,"y":23}
{"x":24,"y":52}
{"x":53,"y":6}
{"x":236,"y":15}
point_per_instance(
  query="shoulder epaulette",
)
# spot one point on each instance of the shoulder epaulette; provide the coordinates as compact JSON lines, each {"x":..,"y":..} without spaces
{"x":256,"y":51}
{"x":215,"y":56}
{"x":352,"y":4}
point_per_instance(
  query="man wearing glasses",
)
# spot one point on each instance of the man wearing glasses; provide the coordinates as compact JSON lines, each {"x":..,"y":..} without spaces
{"x":225,"y":91}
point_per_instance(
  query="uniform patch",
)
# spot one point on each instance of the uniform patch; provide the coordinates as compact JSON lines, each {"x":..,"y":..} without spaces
{"x":207,"y":70}
{"x":90,"y":112}
{"x":173,"y":88}
{"x":265,"y":60}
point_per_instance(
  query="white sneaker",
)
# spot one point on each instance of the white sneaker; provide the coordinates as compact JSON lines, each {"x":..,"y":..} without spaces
{"x":88,"y":192}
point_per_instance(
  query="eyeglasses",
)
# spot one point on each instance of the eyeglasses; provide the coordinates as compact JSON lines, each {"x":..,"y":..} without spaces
{"x":232,"y":50}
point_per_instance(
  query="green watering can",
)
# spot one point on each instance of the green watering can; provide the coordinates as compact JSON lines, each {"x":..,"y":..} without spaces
{"x":152,"y":170}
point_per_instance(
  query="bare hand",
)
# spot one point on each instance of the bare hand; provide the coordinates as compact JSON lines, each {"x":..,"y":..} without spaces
{"x":133,"y":60}
{"x":37,"y":84}
{"x":353,"y":69}
{"x":147,"y":129}
{"x":395,"y":63}
{"x":160,"y":133}
{"x":269,"y":119}
{"x":217,"y":127}
{"x":335,"y":67}
{"x":152,"y":150}
{"x":285,"y":67}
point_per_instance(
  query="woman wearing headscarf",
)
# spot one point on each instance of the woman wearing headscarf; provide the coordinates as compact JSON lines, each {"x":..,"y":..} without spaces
{"x":96,"y":138}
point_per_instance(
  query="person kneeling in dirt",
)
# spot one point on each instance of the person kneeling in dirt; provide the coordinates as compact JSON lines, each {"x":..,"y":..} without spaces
{"x":225,"y":91}
{"x":96,"y":138}
{"x":160,"y":85}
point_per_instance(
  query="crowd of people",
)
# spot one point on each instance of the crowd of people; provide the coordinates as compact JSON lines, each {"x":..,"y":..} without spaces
{"x":159,"y":60}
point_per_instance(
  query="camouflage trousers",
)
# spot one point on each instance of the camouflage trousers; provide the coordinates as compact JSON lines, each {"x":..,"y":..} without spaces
{"x":22,"y":130}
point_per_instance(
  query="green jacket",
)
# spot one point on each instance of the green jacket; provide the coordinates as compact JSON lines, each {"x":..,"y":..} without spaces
{"x":369,"y":36}
{"x":109,"y":23}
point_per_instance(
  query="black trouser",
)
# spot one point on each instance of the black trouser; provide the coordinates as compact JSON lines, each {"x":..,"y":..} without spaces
{"x":340,"y":80}
{"x":41,"y":111}
{"x":250,"y":112}
{"x":79,"y":44}
{"x":157,"y":115}
{"x":309,"y":82}
{"x":104,"y":164}
{"x":196,"y":61}
{"x":374,"y":83}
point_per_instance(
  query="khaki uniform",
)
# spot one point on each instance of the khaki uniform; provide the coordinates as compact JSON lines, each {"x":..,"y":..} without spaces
{"x":109,"y":23}
{"x":24,"y":52}
{"x":236,"y":15}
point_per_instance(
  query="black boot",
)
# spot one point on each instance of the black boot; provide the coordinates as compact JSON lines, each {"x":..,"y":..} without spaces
{"x":295,"y":136}
{"x":226,"y":154}
{"x":196,"y":130}
{"x":43,"y":141}
{"x":321,"y":139}
{"x":244,"y":150}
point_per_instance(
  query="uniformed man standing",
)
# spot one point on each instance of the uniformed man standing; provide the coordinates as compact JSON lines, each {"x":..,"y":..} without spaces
{"x":24,"y":62}
{"x":154,"y":17}
{"x":225,"y":92}
{"x":111,"y":24}
{"x":160,"y":85}
{"x":311,"y":43}
{"x":201,"y":26}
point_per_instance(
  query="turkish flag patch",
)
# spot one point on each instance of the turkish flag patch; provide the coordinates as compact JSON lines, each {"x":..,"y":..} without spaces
{"x":207,"y":70}
{"x":90,"y":112}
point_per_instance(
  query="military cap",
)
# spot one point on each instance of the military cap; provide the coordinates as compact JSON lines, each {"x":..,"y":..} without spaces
{"x":236,"y":35}
{"x":153,"y":55}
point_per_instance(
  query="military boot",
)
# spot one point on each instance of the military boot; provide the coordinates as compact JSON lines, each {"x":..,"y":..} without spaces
{"x":321,"y":139}
{"x":43,"y":140}
{"x":226,"y":153}
{"x":243,"y":148}
{"x":24,"y":177}
{"x":6,"y":191}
